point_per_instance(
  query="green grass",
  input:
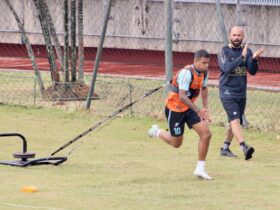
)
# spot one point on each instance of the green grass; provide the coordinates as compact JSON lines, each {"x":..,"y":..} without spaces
{"x":118,"y":167}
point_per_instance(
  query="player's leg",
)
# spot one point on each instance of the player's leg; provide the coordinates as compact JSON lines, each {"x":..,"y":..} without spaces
{"x":233,"y":114}
{"x":176,"y":124}
{"x":235,"y":110}
{"x":245,"y":123}
{"x":176,"y":142}
{"x":237,"y":130}
{"x":225,"y":150}
{"x":204,"y":133}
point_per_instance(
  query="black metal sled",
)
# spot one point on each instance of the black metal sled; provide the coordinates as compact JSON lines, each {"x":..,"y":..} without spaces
{"x":24,"y":156}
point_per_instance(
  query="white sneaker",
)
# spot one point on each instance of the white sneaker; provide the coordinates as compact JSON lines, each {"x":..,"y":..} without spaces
{"x":202,"y":175}
{"x":153,"y":131}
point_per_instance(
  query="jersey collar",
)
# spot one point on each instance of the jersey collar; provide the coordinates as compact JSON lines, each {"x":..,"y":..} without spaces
{"x":196,"y":70}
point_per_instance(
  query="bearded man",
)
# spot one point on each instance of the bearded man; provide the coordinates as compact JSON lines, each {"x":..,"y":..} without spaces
{"x":235,"y":60}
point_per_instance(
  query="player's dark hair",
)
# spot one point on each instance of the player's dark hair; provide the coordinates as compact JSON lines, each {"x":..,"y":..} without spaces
{"x":201,"y":53}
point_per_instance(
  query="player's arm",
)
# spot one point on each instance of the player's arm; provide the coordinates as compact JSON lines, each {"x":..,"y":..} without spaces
{"x":184,"y":82}
{"x":252,"y":61}
{"x":204,"y":92}
{"x":224,"y":61}
{"x":202,"y":113}
{"x":185,"y":99}
{"x":204,"y":96}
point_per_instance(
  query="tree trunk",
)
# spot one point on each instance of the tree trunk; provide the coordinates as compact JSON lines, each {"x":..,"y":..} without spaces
{"x":53,"y":33}
{"x":28,"y":47}
{"x":73,"y":40}
{"x":81,"y":41}
{"x":48,"y":42}
{"x":66,"y":41}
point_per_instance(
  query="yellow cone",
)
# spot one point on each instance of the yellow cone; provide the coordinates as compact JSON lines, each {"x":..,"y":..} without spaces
{"x":29,"y":189}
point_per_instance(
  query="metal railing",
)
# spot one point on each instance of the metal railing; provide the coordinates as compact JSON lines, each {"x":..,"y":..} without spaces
{"x":246,"y":2}
{"x":261,"y":2}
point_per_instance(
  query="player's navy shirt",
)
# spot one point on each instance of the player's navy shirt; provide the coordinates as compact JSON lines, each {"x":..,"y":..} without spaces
{"x":233,"y":72}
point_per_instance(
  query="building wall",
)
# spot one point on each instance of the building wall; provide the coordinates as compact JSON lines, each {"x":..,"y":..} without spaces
{"x":140,"y":24}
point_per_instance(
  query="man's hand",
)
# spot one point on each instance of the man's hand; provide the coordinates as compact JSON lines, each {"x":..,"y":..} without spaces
{"x":258,"y":53}
{"x":204,"y":115}
{"x":244,"y":51}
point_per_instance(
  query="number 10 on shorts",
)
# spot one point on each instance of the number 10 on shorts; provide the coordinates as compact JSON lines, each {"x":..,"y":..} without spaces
{"x":177,"y":131}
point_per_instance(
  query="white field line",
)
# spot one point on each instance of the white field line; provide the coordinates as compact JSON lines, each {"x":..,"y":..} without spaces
{"x":28,"y":206}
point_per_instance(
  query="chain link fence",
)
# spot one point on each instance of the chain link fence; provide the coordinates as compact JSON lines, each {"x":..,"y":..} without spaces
{"x":112,"y":93}
{"x":133,"y":54}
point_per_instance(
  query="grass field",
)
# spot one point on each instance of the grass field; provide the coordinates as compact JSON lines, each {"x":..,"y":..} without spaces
{"x":118,"y":167}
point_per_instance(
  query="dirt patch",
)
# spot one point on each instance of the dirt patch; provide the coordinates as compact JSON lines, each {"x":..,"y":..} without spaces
{"x":67,"y":92}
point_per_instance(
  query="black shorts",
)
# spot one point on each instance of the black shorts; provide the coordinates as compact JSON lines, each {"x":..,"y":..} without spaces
{"x":234,"y":108}
{"x":176,"y":121}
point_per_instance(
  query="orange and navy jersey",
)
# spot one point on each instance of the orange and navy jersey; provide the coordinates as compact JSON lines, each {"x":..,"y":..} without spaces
{"x":189,"y":80}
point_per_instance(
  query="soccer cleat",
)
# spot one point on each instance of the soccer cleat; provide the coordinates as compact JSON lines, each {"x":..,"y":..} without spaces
{"x":227,"y":153}
{"x":202,"y":175}
{"x":153,"y":131}
{"x":248,"y":151}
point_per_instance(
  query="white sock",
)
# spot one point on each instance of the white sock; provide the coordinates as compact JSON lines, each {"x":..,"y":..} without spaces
{"x":200,"y":165}
{"x":157,"y":133}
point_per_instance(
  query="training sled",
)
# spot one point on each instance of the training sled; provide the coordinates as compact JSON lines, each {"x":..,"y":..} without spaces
{"x":26,"y":158}
{"x":24,"y":155}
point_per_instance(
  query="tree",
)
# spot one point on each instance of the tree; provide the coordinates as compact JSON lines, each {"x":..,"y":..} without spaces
{"x":28,"y":47}
{"x":53,"y":33}
{"x":66,"y":41}
{"x":81,"y":41}
{"x":41,"y":12}
{"x":73,"y":40}
{"x":69,"y":90}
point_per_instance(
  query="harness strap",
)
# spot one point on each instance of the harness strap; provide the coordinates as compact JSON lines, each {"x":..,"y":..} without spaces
{"x":173,"y":88}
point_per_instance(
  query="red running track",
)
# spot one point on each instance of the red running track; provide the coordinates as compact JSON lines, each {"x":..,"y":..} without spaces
{"x":134,"y":63}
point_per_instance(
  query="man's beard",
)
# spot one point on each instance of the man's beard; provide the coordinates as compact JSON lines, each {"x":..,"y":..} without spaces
{"x":236,"y":43}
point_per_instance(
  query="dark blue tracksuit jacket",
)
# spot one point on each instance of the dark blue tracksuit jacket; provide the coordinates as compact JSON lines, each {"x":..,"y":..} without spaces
{"x":233,"y":72}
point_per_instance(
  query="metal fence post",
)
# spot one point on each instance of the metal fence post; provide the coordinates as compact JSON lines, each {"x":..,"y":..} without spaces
{"x":130,"y":98}
{"x":240,"y":19}
{"x":34,"y":92}
{"x":168,"y":41}
{"x":221,"y":22}
{"x":99,"y":53}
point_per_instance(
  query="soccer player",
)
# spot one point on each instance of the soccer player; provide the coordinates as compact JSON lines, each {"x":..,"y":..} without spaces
{"x":234,"y":61}
{"x":180,"y":109}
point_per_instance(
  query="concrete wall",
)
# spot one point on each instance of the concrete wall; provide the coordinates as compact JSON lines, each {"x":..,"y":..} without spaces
{"x":139,"y":24}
